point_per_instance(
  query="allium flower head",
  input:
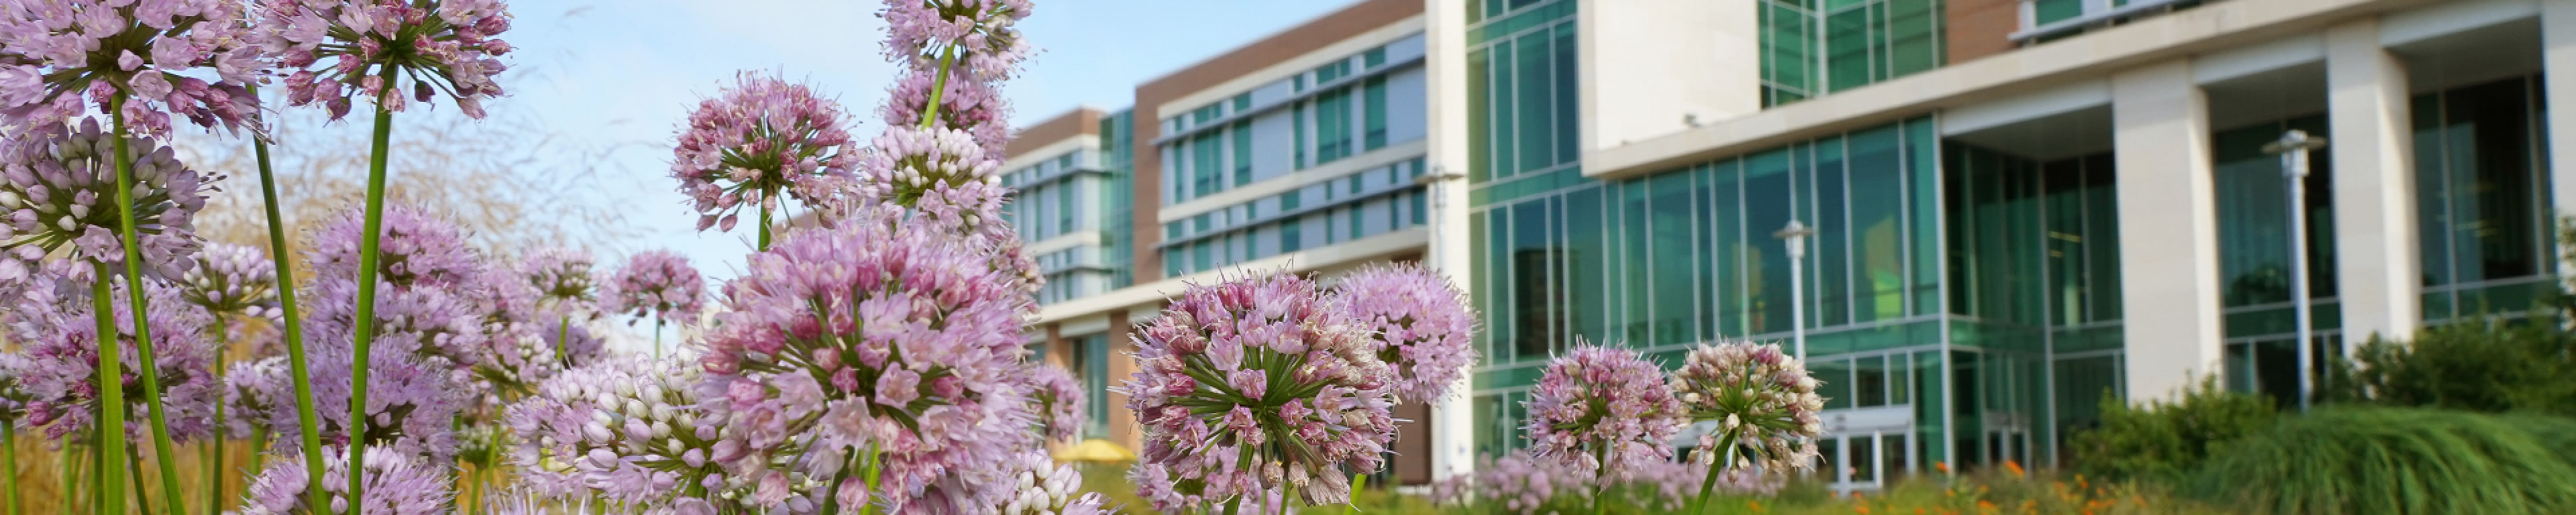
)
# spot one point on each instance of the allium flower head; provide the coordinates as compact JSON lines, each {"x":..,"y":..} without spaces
{"x":964,"y":104}
{"x":1517,"y":482}
{"x":58,"y":364}
{"x":58,"y":192}
{"x":908,"y":163}
{"x":657,"y":284}
{"x":246,"y":396}
{"x":982,"y":34}
{"x":397,"y":483}
{"x":1760,"y":394}
{"x":416,"y":373}
{"x":560,"y":274}
{"x":1603,"y":400}
{"x":158,"y":53}
{"x":1258,"y":387}
{"x":762,"y":138}
{"x":1025,"y":483}
{"x":1059,"y":399}
{"x":626,"y":429}
{"x":231,"y":280}
{"x":418,"y":250}
{"x":1422,"y":325}
{"x":876,"y":332}
{"x":339,"y":49}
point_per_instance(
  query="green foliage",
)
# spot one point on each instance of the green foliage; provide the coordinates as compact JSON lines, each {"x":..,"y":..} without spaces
{"x":1991,"y":491}
{"x":2165,"y":441}
{"x":2355,"y":459}
{"x":2479,"y":365}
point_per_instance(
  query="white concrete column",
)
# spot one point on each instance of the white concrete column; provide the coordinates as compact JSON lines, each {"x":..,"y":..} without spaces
{"x":1453,"y":450}
{"x":2168,"y":229}
{"x":2558,"y":73}
{"x":1654,"y":67}
{"x":2372,"y":140}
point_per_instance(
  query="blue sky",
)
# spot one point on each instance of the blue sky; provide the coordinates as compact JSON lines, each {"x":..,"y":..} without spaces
{"x":625,"y":72}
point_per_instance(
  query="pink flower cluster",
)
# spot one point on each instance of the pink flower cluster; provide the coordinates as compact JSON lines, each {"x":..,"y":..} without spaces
{"x":157,"y":53}
{"x":1597,"y":407}
{"x":879,"y":335}
{"x":1422,"y":323}
{"x":1759,"y":394}
{"x":396,"y":483}
{"x":444,"y":47}
{"x":1254,"y":388}
{"x":58,"y":194}
{"x":1028,"y":483}
{"x":981,"y":35}
{"x":625,"y":429}
{"x":657,"y":284}
{"x":761,"y":139}
{"x":917,"y":162}
{"x":1520,"y":482}
{"x":231,"y":280}
{"x":57,"y":366}
{"x":1059,"y":399}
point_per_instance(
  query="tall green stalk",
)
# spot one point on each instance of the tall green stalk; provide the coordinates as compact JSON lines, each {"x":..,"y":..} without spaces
{"x":166,"y":458}
{"x":134,"y":466}
{"x":368,"y":256}
{"x":764,"y":222}
{"x":110,"y":489}
{"x":9,"y":465}
{"x":305,"y":417}
{"x":1726,"y":459}
{"x":1601,"y":478}
{"x":215,"y":444}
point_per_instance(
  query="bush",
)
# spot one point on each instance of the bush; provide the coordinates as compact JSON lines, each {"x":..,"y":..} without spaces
{"x":2165,"y":441}
{"x":2351,"y":459}
{"x":2474,"y":366}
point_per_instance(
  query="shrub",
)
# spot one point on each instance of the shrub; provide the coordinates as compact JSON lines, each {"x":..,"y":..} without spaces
{"x":2353,"y":459}
{"x":2477,"y":365}
{"x":2165,"y":441}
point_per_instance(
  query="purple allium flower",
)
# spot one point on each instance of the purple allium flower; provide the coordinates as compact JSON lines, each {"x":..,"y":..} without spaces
{"x":397,"y":483}
{"x":906,"y":163}
{"x":560,"y":275}
{"x":58,"y":194}
{"x":1518,"y":482}
{"x":157,"y":52}
{"x":879,"y":331}
{"x":625,"y":429}
{"x":1025,"y":483}
{"x":762,"y":138}
{"x":964,"y":104}
{"x":1258,"y":386}
{"x":417,"y":378}
{"x":58,"y":363}
{"x":1597,"y":404}
{"x":248,"y":405}
{"x":983,"y":34}
{"x":1422,"y":325}
{"x":419,"y":250}
{"x":657,"y":284}
{"x":1762,"y":396}
{"x":339,"y":49}
{"x":1677,"y":483}
{"x":231,"y":280}
{"x":1059,"y":401}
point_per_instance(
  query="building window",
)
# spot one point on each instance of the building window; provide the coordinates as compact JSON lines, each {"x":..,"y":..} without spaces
{"x":1809,"y":49}
{"x":1522,"y":97}
{"x":2482,"y":200}
{"x":1332,"y":125}
{"x":1297,"y":131}
{"x":1207,"y":165}
{"x":1064,"y":208}
{"x":1288,"y":202}
{"x":1290,"y":237}
{"x":1373,"y":58}
{"x":1373,"y":109}
{"x":1242,"y":152}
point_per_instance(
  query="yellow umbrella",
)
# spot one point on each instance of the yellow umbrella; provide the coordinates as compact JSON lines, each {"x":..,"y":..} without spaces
{"x":1095,"y":450}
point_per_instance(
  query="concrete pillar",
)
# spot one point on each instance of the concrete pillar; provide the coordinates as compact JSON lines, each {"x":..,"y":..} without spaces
{"x":1452,"y":436}
{"x":1122,"y":365}
{"x":2168,"y":229}
{"x":2372,"y":141}
{"x":2558,"y":71}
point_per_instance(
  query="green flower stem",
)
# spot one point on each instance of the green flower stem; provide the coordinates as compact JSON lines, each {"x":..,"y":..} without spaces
{"x":9,"y":465}
{"x":215,"y":444}
{"x":875,"y":463}
{"x":167,"y":459}
{"x":110,"y":488}
{"x":369,"y":254}
{"x":764,"y":222}
{"x":1725,"y":444}
{"x":1358,"y":481}
{"x":69,"y":483}
{"x":563,"y":332}
{"x":305,"y":418}
{"x":938,"y":87}
{"x":134,"y":466}
{"x":657,"y":338}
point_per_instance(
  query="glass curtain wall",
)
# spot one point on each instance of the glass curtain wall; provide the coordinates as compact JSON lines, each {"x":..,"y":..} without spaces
{"x":2254,"y":256}
{"x":1117,"y":194}
{"x":2481,"y":199}
{"x":1814,"y":47}
{"x":2036,"y":285}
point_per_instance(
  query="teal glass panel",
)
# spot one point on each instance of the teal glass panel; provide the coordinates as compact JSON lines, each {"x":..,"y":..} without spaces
{"x":2253,"y":252}
{"x":1297,"y":133}
{"x":1922,"y":162}
{"x":1506,"y":107}
{"x":1569,"y":119}
{"x":1869,"y":381}
{"x":1479,"y":118}
{"x":1914,"y":40}
{"x":1829,"y":295}
{"x":1590,"y":266}
{"x":1332,"y":125}
{"x":1726,"y":215}
{"x":1847,"y":50}
{"x":1833,"y":381}
{"x":1537,"y":292}
{"x":1534,"y":94}
{"x":1931,"y":407}
{"x":1767,"y":201}
{"x":1877,"y":225}
{"x":1373,"y":113}
{"x":1674,"y":257}
{"x":2044,"y":12}
{"x":1242,"y":132}
{"x":2482,"y":197}
{"x":1638,"y":326}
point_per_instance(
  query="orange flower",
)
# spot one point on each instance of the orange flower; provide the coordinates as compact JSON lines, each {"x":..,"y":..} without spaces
{"x":2014,"y":467}
{"x":1943,"y":466}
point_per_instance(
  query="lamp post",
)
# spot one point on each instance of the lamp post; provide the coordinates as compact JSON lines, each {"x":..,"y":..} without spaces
{"x":1796,"y":236}
{"x":2293,"y":148}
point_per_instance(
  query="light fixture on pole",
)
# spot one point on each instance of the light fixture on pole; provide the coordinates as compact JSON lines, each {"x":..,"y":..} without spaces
{"x":1796,"y":235}
{"x":2293,"y":148}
